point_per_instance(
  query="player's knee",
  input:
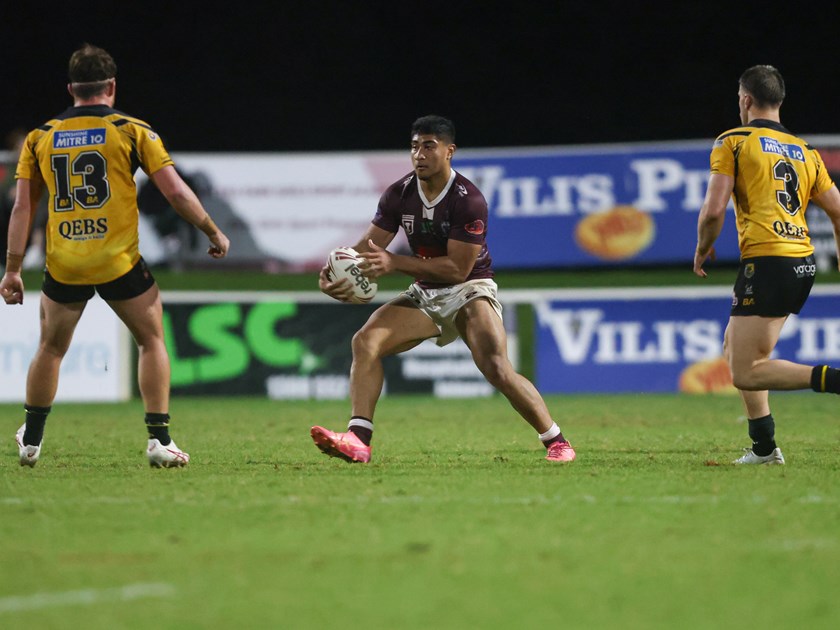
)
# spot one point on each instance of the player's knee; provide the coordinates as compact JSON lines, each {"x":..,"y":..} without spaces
{"x":54,"y":348}
{"x":743,"y":379}
{"x":364,"y":345}
{"x":497,"y":370}
{"x":150,"y":343}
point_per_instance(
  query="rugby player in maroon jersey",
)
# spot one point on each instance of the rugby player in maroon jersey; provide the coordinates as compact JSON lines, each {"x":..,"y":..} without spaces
{"x":444,"y":217}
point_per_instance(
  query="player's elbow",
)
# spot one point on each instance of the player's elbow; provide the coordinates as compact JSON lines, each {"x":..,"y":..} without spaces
{"x":21,"y":209}
{"x":458,"y":274}
{"x":711,"y":213}
{"x":179,"y":196}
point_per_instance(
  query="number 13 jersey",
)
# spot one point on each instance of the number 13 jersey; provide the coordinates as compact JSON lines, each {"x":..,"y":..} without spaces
{"x":776,"y":174}
{"x":87,"y":157}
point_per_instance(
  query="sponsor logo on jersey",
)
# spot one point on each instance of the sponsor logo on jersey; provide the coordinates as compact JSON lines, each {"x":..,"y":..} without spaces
{"x":790,"y":231}
{"x":462,"y":190}
{"x":791,"y":151}
{"x":476,"y":227}
{"x":83,"y":229}
{"x":78,"y":138}
{"x":805,"y":271}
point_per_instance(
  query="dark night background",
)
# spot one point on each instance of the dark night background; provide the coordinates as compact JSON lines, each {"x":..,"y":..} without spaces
{"x":314,"y":76}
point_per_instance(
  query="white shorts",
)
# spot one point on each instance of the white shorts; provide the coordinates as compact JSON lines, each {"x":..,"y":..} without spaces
{"x":442,"y":305}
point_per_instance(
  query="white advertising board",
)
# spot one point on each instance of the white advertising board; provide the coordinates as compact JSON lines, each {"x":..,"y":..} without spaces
{"x":97,"y":368}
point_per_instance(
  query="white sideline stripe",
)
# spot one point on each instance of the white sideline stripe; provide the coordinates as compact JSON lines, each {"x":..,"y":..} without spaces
{"x":86,"y":597}
{"x":418,"y":499}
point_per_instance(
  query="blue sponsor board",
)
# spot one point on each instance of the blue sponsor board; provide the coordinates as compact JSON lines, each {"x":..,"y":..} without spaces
{"x":538,"y":199}
{"x":647,"y":340}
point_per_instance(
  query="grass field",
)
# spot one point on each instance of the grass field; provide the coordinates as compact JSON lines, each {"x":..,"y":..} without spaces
{"x":458,"y":522}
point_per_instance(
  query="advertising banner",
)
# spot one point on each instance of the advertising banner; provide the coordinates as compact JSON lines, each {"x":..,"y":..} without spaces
{"x":662,"y":340}
{"x":97,"y":368}
{"x":282,"y":211}
{"x":595,"y":206}
{"x":557,"y":207}
{"x":550,"y":207}
{"x":289,"y":346}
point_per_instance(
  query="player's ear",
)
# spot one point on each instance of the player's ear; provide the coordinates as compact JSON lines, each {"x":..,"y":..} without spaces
{"x":70,"y":90}
{"x":451,"y":151}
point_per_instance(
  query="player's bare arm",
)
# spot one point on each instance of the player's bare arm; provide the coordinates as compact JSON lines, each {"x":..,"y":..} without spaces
{"x":28,"y":194}
{"x":186,"y":204}
{"x":453,"y":268}
{"x":342,"y":290}
{"x":830,"y":202}
{"x":710,"y":221}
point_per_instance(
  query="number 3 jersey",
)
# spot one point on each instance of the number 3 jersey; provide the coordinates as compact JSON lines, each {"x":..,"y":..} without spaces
{"x":776,"y":174}
{"x":87,"y":157}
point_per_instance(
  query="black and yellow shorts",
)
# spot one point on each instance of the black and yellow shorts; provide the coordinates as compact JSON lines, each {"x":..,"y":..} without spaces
{"x":772,"y":286}
{"x":135,"y":282}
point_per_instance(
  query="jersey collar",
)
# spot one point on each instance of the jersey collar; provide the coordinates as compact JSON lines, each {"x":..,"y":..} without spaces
{"x":86,"y":110}
{"x":436,"y":200}
{"x":768,"y":124}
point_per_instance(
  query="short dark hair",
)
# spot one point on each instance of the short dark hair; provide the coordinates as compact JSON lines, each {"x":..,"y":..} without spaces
{"x":765,"y":84}
{"x":93,"y":67}
{"x":438,"y":126}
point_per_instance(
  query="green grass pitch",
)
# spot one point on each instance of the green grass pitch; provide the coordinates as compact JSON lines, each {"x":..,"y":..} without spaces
{"x":457,"y":523}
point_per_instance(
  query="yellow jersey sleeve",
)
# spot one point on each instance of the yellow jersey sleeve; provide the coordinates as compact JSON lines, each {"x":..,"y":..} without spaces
{"x":150,"y":152}
{"x":725,"y":151}
{"x":822,"y":181}
{"x":27,"y":166}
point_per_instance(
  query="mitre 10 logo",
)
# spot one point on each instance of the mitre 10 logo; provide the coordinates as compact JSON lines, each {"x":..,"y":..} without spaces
{"x":83,"y":229}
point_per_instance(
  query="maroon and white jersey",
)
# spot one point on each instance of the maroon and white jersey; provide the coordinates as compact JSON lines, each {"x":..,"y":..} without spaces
{"x":459,"y":212}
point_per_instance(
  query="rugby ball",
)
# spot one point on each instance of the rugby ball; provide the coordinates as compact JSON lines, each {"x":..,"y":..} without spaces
{"x":343,"y":262}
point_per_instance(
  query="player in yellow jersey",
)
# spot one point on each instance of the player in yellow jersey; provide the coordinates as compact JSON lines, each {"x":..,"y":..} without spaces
{"x":86,"y":158}
{"x":771,"y":175}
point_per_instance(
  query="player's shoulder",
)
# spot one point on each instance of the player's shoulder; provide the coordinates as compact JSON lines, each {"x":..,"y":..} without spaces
{"x":40,"y":130}
{"x":461,"y":180}
{"x":734,"y":134}
{"x":402,"y":187}
{"x":465,"y":189}
{"x":127,"y":122}
{"x":40,"y":134}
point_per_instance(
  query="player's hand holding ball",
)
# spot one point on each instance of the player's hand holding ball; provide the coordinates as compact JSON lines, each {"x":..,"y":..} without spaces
{"x":343,"y":279}
{"x":376,"y":262}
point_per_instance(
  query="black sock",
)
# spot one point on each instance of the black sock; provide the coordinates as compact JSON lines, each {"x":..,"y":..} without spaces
{"x":363,"y":433}
{"x":158,"y":427}
{"x":36,"y":418}
{"x":762,"y":433}
{"x":825,"y":379}
{"x":557,"y":438}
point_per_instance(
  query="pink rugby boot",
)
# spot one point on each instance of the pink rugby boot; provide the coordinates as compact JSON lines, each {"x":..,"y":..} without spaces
{"x":560,"y":452}
{"x":347,"y":446}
